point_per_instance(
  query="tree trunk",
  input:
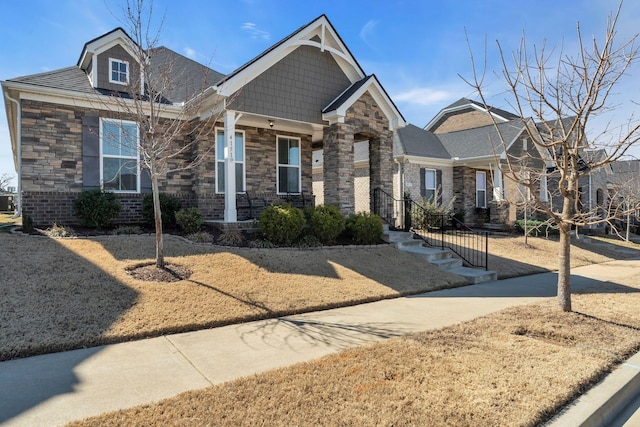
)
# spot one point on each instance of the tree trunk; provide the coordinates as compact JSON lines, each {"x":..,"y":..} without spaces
{"x":564,"y":268}
{"x":157,"y":215}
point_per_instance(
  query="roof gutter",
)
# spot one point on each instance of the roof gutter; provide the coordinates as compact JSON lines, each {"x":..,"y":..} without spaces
{"x":18,"y":154}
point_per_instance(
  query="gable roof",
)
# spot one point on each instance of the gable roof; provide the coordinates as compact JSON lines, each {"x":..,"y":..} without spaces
{"x":482,"y":141}
{"x":338,"y":107}
{"x":468,"y":104}
{"x":414,"y":141}
{"x":319,"y":33}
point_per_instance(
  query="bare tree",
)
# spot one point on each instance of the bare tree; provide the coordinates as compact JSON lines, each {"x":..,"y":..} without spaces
{"x":168,"y":135}
{"x":5,"y":180}
{"x":562,"y":93}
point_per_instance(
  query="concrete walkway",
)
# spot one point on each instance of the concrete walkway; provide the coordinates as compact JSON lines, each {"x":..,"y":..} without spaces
{"x":57,"y":388}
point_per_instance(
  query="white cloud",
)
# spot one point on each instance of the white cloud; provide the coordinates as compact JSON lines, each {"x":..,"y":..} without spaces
{"x":191,"y":53}
{"x":423,"y":96}
{"x":367,"y":33}
{"x":255,"y":32}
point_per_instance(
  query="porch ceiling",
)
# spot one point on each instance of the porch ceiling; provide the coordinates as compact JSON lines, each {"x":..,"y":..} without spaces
{"x":279,"y":124}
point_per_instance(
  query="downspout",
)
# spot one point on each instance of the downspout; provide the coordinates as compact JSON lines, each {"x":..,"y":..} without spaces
{"x":19,"y":154}
{"x":400,"y":214}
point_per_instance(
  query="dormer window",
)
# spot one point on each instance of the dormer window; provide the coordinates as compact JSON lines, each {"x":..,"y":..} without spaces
{"x":118,"y":71}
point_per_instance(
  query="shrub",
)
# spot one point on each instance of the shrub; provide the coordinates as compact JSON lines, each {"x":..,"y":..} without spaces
{"x":200,"y":237}
{"x":189,"y":220}
{"x":364,"y":228}
{"x":169,"y":205}
{"x":326,"y":223}
{"x":96,"y":208}
{"x":535,"y":228}
{"x":261,"y":244}
{"x":60,"y":231}
{"x":430,"y":214}
{"x":231,"y":238}
{"x":308,"y":241}
{"x":281,"y":224}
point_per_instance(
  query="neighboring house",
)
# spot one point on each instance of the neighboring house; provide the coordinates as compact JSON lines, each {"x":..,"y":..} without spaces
{"x":624,"y":189}
{"x":457,"y":156}
{"x":305,"y":91}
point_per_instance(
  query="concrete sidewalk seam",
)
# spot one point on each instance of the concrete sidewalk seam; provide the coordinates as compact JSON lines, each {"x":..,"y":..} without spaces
{"x":184,"y":356}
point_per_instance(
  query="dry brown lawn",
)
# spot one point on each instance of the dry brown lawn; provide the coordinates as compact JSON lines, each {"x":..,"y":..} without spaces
{"x":59,"y":294}
{"x":517,"y":367}
{"x":510,"y":257}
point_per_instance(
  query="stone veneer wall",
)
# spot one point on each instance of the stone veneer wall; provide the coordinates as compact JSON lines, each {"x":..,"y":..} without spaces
{"x":52,"y":167}
{"x":365,"y":120}
{"x":464,"y":190}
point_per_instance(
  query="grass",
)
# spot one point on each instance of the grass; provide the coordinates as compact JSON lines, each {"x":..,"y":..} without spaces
{"x":79,"y":287}
{"x":516,"y":367}
{"x":512,"y":368}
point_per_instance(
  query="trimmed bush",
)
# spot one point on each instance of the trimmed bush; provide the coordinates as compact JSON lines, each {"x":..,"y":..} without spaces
{"x":365,"y":228}
{"x":189,"y":220}
{"x":169,"y":205}
{"x":326,"y":222}
{"x":96,"y":208}
{"x":430,"y":214}
{"x":535,"y":228}
{"x":281,"y":224}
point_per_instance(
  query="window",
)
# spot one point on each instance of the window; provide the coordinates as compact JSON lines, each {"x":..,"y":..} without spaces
{"x":238,"y":157}
{"x":288,"y":153}
{"x":481,"y":189}
{"x":430,"y":184}
{"x":118,"y":71}
{"x":119,"y":156}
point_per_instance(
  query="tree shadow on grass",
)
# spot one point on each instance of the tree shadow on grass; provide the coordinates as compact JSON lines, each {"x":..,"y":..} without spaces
{"x":51,"y":300}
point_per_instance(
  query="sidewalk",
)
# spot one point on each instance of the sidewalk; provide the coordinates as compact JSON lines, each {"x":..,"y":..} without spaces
{"x":57,"y":388}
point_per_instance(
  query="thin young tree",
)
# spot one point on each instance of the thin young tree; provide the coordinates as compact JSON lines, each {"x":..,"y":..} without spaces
{"x":5,"y":180}
{"x":562,"y":93}
{"x":170,"y":134}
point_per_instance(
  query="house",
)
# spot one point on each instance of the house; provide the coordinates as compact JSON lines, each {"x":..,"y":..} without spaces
{"x":307,"y":91}
{"x":458,"y":157}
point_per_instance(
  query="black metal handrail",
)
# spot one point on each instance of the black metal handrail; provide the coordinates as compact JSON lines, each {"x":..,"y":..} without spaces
{"x":437,"y":230}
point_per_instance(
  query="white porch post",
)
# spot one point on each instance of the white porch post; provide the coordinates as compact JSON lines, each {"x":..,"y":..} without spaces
{"x":497,"y":183}
{"x":543,"y":189}
{"x":230,"y":213}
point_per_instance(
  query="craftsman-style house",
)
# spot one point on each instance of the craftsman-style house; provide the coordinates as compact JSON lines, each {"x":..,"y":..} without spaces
{"x":306,"y":90}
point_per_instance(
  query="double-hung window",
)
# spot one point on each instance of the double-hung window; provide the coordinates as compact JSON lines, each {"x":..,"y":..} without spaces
{"x":238,"y":157}
{"x":118,"y":71}
{"x":119,"y":166}
{"x":288,"y":153}
{"x":481,"y":189}
{"x":430,"y":185}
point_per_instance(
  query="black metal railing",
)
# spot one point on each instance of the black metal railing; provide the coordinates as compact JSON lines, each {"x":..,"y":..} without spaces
{"x":437,"y":230}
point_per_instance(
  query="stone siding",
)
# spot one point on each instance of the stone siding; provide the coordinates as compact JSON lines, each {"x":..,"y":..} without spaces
{"x":464,"y":190}
{"x":52,"y":167}
{"x":412,"y":180}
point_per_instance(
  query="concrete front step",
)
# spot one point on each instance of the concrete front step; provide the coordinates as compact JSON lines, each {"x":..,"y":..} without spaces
{"x":442,"y":258}
{"x":475,"y":275}
{"x":447,"y":263}
{"x":429,"y":254}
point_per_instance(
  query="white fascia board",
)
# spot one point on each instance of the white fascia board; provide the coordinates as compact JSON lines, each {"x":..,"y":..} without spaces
{"x":477,"y":162}
{"x":420,"y":160}
{"x":104,"y":43}
{"x":322,"y":29}
{"x":378,"y":94}
{"x":82,"y":100}
{"x":445,"y":111}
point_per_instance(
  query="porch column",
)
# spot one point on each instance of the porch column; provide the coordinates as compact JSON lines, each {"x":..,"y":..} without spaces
{"x":498,"y":193}
{"x":230,"y":213}
{"x":338,"y":167}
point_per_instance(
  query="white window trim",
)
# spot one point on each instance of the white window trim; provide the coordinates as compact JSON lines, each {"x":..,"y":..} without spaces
{"x":244,"y":161}
{"x":484,"y":205}
{"x":435,"y":182}
{"x":299,"y":166}
{"x":118,"y":82}
{"x":110,"y":156}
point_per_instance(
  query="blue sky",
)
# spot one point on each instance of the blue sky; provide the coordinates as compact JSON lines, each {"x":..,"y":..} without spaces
{"x":417,"y":49}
